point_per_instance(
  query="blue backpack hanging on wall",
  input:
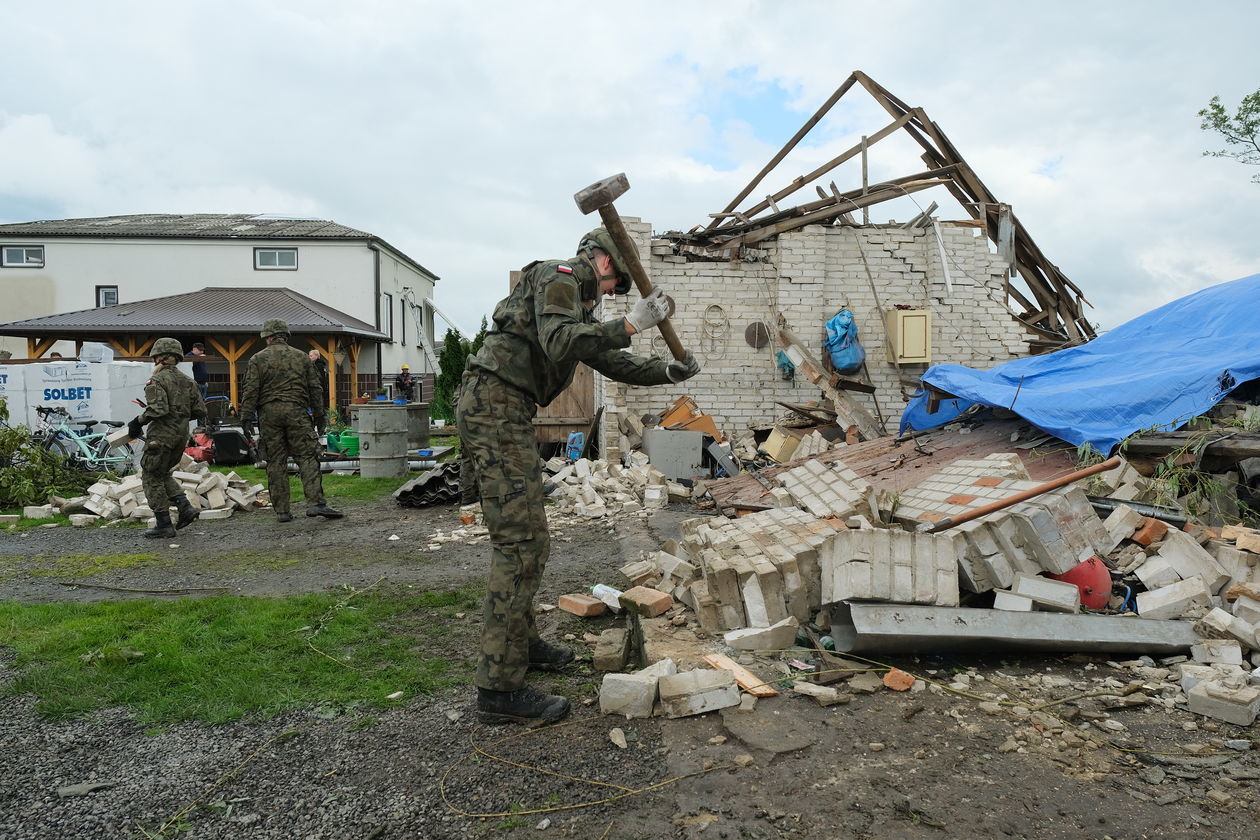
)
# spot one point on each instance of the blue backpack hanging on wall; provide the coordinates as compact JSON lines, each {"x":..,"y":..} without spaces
{"x":847,"y":353}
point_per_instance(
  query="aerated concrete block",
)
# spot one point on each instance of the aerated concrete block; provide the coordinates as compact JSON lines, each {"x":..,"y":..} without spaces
{"x":1188,"y":558}
{"x":1047,"y":594}
{"x":1156,"y":573}
{"x":779,"y":636}
{"x":696,"y":692}
{"x":1248,"y":609}
{"x":1004,"y":600}
{"x":1174,"y":600}
{"x":1238,"y":706}
{"x":1121,"y":524}
{"x":1224,"y":651}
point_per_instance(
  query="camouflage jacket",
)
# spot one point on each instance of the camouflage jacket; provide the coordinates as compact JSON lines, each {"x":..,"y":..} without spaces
{"x":542,"y":330}
{"x":173,"y":399}
{"x":281,"y":374}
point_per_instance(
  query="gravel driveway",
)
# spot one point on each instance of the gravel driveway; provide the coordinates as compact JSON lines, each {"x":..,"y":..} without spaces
{"x":929,"y":764}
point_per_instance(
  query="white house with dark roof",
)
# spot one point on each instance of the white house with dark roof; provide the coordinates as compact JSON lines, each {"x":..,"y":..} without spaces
{"x":64,"y":266}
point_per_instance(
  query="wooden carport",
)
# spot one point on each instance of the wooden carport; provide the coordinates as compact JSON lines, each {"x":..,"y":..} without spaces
{"x":227,"y":320}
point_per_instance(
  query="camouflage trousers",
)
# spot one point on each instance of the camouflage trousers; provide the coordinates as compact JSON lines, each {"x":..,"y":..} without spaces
{"x":286,"y":430}
{"x":156,"y":463}
{"x":496,"y":430}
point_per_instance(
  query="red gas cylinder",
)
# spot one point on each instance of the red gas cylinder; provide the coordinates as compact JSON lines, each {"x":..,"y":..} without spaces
{"x":1094,"y":581}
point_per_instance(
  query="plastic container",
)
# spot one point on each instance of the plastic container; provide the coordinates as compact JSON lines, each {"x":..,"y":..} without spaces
{"x":608,"y":595}
{"x":349,"y":443}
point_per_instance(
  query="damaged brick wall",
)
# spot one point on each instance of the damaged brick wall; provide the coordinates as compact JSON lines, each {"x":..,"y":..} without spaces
{"x":809,"y":275}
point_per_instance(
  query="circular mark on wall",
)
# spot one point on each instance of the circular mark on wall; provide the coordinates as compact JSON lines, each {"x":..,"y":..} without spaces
{"x":757,"y":334}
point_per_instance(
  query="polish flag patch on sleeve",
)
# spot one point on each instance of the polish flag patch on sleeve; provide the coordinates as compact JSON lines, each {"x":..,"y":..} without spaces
{"x":564,"y":269}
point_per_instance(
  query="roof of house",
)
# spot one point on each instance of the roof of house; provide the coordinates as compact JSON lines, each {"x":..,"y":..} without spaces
{"x":244,"y":226}
{"x":209,"y":310}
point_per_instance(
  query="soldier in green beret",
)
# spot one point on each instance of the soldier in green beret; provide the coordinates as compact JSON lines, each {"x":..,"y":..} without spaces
{"x":542,"y":330}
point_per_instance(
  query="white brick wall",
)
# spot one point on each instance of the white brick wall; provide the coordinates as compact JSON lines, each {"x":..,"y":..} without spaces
{"x":811,"y":274}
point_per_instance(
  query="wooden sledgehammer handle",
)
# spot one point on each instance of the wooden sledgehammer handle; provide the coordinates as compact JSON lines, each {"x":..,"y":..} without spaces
{"x":630,"y":253}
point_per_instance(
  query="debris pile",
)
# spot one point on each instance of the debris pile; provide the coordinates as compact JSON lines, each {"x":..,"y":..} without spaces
{"x":836,"y":550}
{"x":597,"y":489}
{"x":215,"y":495}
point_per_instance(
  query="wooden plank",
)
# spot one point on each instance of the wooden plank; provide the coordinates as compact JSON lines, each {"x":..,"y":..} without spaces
{"x":1239,"y":446}
{"x":744,"y":678}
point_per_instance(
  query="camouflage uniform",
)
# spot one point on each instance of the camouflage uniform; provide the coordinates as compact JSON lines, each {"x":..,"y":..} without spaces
{"x":541,"y":332}
{"x":173,"y":399}
{"x":281,"y":385}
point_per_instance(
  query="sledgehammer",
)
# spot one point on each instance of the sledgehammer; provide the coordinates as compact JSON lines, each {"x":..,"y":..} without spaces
{"x":600,"y":196}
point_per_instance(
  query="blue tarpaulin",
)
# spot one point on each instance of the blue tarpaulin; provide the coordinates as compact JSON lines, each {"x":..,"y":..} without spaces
{"x":1154,"y":372}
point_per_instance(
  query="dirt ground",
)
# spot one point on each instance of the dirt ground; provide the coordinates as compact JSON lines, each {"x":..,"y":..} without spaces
{"x":931,"y":763}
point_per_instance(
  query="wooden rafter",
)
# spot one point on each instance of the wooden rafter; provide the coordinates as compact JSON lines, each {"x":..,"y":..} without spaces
{"x":1056,"y":307}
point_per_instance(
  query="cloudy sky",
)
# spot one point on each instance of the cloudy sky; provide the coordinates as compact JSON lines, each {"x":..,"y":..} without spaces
{"x":458,"y":132}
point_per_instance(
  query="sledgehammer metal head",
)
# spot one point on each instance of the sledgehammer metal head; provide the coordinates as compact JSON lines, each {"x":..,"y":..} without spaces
{"x":601,"y":193}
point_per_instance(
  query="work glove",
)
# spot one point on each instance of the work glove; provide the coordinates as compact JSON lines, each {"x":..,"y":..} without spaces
{"x":134,"y":428}
{"x":683,"y":368}
{"x":251,"y":429}
{"x":321,"y":422}
{"x":650,"y":311}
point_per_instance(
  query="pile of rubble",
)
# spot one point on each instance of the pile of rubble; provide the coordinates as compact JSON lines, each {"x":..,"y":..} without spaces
{"x":597,"y":489}
{"x":836,"y":545}
{"x":215,"y":495}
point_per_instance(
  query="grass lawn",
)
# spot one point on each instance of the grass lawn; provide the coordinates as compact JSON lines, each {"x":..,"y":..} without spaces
{"x":222,"y":658}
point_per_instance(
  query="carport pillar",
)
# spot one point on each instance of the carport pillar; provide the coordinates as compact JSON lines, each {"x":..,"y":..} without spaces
{"x":232,"y":351}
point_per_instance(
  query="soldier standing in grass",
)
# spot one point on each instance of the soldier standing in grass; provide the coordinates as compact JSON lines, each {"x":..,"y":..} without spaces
{"x":541,"y":331}
{"x":172,"y":400}
{"x":283,"y":390}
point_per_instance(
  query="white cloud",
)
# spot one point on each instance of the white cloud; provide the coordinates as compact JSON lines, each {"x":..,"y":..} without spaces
{"x":459,"y":132}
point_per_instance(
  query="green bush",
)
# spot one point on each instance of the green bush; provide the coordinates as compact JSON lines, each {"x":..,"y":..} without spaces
{"x":29,"y":474}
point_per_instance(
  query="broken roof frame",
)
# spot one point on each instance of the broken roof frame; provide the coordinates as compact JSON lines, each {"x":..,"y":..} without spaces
{"x":1055,"y":310}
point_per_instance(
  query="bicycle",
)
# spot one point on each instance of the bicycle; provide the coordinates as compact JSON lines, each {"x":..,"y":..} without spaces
{"x":81,"y":447}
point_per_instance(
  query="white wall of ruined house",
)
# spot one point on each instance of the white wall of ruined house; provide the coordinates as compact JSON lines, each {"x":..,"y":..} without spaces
{"x":811,"y":274}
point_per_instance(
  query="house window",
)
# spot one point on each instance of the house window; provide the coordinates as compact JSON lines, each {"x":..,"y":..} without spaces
{"x":106,"y":295}
{"x":22,"y":256}
{"x":387,"y":315}
{"x":275,"y":259}
{"x":402,"y":320}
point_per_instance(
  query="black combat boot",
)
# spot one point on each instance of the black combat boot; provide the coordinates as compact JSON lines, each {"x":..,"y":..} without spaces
{"x":162,"y":526}
{"x":284,"y":516}
{"x":548,"y":657}
{"x":187,"y":513}
{"x":322,"y":509}
{"x":525,"y":705}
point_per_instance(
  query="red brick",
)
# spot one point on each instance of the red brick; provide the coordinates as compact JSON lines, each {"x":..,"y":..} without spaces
{"x":648,"y":603}
{"x":583,"y":605}
{"x":898,"y":680}
{"x":960,"y":499}
{"x":988,"y":481}
{"x":1152,"y":530}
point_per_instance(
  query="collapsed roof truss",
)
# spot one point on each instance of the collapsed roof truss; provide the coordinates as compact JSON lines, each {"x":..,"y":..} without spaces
{"x":1052,"y":308}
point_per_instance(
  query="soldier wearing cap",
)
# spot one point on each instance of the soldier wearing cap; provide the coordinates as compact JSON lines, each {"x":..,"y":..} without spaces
{"x":171,"y":401}
{"x":542,"y":330}
{"x":284,"y":396}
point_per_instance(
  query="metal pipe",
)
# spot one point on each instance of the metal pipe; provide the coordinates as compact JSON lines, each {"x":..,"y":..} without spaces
{"x":1040,"y":489}
{"x":1172,"y":516}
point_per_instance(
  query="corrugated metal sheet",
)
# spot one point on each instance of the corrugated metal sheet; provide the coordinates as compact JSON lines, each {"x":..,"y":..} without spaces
{"x":222,"y":310}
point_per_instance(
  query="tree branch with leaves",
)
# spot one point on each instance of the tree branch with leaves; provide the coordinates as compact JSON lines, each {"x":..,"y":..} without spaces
{"x":1241,"y":132}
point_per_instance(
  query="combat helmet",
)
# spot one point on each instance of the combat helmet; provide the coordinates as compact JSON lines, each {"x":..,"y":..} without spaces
{"x":602,"y":239}
{"x":273,"y":326}
{"x":167,"y":347}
